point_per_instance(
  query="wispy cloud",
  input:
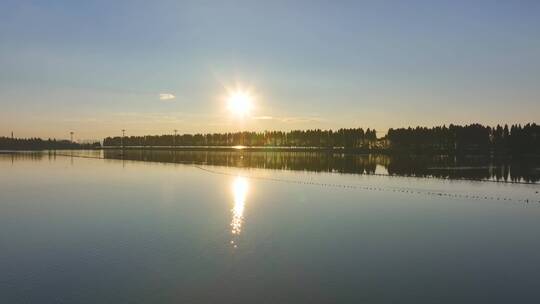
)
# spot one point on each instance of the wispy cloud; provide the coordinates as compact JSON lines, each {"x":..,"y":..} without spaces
{"x":290,"y":119}
{"x":298,"y":119}
{"x":263,"y":117}
{"x":166,"y":96}
{"x":82,"y":120}
{"x":147,"y":118}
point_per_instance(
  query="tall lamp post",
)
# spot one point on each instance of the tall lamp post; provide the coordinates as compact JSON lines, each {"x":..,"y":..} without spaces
{"x":122,"y":139}
{"x":71,"y":139}
{"x":174,"y":138}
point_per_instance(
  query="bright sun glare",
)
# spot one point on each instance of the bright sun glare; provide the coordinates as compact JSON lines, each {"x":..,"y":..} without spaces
{"x":240,"y":102}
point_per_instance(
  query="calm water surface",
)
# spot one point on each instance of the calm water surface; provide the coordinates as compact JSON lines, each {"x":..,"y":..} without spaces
{"x":470,"y":167}
{"x":84,"y":230}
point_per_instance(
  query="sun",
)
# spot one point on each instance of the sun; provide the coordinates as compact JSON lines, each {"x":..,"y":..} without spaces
{"x":240,"y":102}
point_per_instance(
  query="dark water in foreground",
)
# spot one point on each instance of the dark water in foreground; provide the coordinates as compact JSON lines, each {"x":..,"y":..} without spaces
{"x":86,"y":230}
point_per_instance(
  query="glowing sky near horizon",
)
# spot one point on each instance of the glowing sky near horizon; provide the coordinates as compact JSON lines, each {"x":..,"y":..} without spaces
{"x":150,"y":67}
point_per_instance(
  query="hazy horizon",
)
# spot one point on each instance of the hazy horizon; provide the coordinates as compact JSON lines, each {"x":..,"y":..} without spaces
{"x":96,"y":68}
{"x":229,"y":214}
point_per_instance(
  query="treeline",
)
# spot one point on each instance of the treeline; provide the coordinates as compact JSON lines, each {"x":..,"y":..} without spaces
{"x":474,"y":138}
{"x":345,"y":138}
{"x":454,"y":139}
{"x":8,"y":143}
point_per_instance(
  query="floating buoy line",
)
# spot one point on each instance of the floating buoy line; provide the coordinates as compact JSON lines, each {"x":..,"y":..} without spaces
{"x":375,"y":188}
{"x":433,"y":193}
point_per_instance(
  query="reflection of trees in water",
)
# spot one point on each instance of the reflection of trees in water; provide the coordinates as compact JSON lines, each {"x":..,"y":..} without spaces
{"x":470,"y":167}
{"x":522,"y":169}
{"x":299,"y":161}
{"x":33,"y":156}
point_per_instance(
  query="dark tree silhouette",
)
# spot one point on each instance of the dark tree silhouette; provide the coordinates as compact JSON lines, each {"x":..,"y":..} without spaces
{"x":8,"y":143}
{"x":454,"y":139}
{"x":342,"y":138}
{"x":473,"y":138}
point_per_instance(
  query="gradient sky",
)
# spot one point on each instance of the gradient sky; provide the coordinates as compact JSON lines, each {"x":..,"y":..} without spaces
{"x":96,"y":67}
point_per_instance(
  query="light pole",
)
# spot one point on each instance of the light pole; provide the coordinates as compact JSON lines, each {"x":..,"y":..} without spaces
{"x":71,"y":136}
{"x":122,"y":139}
{"x":174,"y":138}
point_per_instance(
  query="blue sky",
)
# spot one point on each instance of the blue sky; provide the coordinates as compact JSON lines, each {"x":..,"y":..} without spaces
{"x":96,"y":67}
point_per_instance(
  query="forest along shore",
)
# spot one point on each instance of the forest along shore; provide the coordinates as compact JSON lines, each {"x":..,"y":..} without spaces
{"x":442,"y":140}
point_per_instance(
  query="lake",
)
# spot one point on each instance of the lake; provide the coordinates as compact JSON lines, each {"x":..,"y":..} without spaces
{"x":234,"y":227}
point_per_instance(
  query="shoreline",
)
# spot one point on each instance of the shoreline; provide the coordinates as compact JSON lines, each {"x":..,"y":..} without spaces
{"x":332,"y":150}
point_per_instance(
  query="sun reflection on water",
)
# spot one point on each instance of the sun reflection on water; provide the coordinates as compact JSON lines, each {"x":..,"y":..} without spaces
{"x":240,"y":189}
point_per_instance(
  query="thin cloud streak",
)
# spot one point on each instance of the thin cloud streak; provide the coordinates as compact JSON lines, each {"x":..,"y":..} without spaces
{"x":263,"y":117}
{"x":166,"y":96}
{"x":290,"y":119}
